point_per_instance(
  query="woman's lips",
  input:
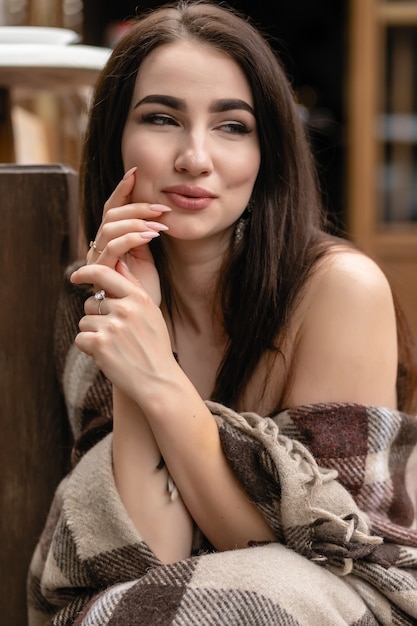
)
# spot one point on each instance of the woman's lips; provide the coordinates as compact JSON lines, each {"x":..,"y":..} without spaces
{"x":189,"y":198}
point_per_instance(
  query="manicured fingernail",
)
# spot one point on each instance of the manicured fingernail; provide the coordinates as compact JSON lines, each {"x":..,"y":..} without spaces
{"x":149,"y":234}
{"x":129,"y":172}
{"x":159,"y":208}
{"x":156,"y":226}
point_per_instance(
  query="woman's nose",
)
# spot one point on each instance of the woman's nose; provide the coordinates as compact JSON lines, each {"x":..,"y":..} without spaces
{"x":194,"y":156}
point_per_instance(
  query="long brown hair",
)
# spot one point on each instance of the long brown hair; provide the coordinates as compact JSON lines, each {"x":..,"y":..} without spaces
{"x":284,"y":237}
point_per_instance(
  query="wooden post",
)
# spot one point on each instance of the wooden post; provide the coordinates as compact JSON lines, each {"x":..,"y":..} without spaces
{"x":38,"y":217}
{"x":362,"y":90}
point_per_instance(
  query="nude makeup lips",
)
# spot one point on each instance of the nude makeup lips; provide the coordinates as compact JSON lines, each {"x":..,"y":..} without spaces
{"x":189,"y":197}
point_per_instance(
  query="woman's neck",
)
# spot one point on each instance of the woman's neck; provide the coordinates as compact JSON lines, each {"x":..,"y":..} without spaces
{"x":194,"y":285}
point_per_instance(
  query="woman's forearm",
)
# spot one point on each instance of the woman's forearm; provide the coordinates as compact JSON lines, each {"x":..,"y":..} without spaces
{"x":188,"y":437}
{"x":164,"y":524}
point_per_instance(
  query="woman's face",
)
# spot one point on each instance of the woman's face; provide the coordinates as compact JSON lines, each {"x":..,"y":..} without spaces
{"x":191,"y":132}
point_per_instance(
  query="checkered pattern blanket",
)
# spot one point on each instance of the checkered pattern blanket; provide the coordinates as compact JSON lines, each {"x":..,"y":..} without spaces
{"x":328,"y":478}
{"x":342,"y":554}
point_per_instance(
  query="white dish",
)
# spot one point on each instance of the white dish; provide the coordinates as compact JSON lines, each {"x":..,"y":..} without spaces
{"x":37,"y":35}
{"x":48,"y":66}
{"x":29,"y":55}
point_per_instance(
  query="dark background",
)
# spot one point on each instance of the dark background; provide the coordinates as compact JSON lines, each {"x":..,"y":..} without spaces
{"x":310,"y":36}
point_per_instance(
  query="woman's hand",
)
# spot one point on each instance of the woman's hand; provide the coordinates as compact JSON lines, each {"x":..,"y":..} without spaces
{"x":124,"y":234}
{"x":128,"y":337}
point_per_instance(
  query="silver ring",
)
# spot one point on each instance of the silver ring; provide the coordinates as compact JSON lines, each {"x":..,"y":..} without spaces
{"x":99,"y":296}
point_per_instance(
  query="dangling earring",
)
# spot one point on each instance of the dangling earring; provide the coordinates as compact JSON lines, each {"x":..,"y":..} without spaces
{"x":243,"y":222}
{"x":240,"y":230}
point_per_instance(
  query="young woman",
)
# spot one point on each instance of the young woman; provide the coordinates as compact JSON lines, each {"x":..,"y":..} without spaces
{"x":214,"y":278}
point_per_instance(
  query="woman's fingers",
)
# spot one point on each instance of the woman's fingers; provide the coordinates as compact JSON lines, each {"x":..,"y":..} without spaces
{"x":99,"y":302}
{"x":125,"y":226}
{"x":94,"y":306}
{"x":147,"y":228}
{"x":132,"y":232}
{"x":121,"y":195}
{"x":136,"y":210}
{"x":112,"y":282}
{"x":120,"y":217}
{"x":118,"y":248}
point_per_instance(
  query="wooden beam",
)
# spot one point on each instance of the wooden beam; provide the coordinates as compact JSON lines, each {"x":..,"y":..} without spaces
{"x":397,"y":13}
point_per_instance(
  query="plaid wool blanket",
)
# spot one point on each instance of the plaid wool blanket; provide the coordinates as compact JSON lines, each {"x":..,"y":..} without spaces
{"x":337,"y":559}
{"x":330,"y":480}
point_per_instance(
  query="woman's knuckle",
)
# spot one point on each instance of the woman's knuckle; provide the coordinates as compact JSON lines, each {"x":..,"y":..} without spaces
{"x":100,"y":341}
{"x":111,"y":214}
{"x":105,"y":229}
{"x":112,"y":246}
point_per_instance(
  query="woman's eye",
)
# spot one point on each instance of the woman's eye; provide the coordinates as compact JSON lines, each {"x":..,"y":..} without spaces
{"x":158,"y":119}
{"x":236,"y":128}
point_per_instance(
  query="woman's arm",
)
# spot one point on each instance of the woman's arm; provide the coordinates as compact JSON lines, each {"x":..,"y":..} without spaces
{"x":188,"y":438}
{"x":131,"y":345}
{"x":164,"y":524}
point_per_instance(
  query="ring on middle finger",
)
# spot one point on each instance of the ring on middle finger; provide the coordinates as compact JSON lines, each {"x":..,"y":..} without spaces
{"x":100,"y":296}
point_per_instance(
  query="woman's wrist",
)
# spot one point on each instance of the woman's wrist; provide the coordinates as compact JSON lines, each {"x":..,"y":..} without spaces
{"x":131,"y":429}
{"x":166,"y":394}
{"x":160,"y":389}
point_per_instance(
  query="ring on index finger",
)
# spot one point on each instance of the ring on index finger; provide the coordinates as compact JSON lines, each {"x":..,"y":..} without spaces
{"x":94,"y":246}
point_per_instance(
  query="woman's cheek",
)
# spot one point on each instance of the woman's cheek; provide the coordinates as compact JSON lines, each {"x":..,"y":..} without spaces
{"x":143,"y":190}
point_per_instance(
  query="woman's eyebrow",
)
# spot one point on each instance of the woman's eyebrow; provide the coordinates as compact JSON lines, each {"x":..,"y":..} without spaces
{"x":169,"y":101}
{"x":231,"y":104}
{"x":218,"y":106}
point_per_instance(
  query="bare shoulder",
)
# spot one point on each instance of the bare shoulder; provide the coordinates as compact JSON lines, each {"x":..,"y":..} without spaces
{"x":346,"y":346}
{"x":348,"y":271}
{"x":349,"y":288}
